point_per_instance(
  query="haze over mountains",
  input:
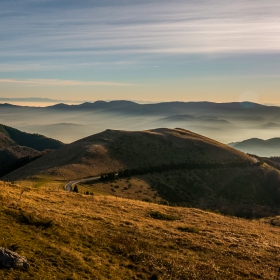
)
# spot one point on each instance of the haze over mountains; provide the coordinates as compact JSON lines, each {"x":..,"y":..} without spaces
{"x":265,"y":148}
{"x":225,"y":122}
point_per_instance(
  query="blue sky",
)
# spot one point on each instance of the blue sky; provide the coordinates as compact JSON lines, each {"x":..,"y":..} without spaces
{"x":214,"y":50}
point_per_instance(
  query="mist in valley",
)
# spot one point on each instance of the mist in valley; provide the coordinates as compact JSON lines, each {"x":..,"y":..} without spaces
{"x":224,"y":122}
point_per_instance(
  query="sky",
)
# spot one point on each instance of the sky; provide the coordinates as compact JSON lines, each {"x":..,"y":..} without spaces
{"x":148,"y":50}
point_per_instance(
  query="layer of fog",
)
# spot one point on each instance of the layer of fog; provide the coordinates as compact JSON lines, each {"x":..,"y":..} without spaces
{"x":71,"y":125}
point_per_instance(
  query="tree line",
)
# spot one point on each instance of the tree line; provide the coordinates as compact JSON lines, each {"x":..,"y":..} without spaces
{"x":124,"y":173}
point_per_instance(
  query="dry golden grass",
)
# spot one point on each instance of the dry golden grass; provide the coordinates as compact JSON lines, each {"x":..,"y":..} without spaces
{"x":134,"y":188}
{"x":103,"y":237}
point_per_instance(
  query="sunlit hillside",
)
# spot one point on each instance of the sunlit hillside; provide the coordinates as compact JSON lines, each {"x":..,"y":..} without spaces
{"x":71,"y":236}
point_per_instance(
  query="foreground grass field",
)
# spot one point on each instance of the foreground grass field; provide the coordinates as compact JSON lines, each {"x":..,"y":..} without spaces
{"x":73,"y":236}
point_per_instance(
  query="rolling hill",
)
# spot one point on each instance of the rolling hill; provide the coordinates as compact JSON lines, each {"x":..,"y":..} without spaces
{"x":18,"y":148}
{"x":113,"y":150}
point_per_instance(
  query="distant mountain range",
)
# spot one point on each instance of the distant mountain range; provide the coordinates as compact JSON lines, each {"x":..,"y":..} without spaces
{"x":18,"y":148}
{"x":156,"y":108}
{"x":226,"y":122}
{"x":270,"y":147}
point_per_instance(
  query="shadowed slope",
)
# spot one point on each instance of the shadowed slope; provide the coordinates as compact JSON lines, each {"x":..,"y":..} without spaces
{"x":10,"y":150}
{"x":18,"y":148}
{"x":34,"y":141}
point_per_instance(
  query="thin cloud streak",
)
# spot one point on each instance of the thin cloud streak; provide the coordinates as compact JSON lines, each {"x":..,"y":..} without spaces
{"x":55,"y":82}
{"x":180,"y":27}
{"x":41,"y":66}
{"x":233,"y":44}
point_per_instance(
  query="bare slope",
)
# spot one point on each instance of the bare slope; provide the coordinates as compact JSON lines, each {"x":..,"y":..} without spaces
{"x":112,"y":150}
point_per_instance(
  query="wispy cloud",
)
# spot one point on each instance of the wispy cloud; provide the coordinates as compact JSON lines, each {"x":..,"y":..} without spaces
{"x":43,"y":65}
{"x":55,"y":82}
{"x":151,"y":27}
{"x":119,"y":43}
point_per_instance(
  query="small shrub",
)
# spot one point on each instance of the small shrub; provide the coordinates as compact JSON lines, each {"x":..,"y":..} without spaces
{"x":163,"y":202}
{"x":275,"y":222}
{"x":29,"y":218}
{"x":154,"y":277}
{"x":161,"y":216}
{"x":76,"y":190}
{"x":33,"y":220}
{"x":188,"y":229}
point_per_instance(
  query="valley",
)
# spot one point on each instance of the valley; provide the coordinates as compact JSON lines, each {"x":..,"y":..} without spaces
{"x":225,"y":122}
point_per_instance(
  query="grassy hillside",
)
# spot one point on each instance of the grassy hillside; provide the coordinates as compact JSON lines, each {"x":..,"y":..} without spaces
{"x":249,"y":191}
{"x":113,"y":150}
{"x":72,"y":236}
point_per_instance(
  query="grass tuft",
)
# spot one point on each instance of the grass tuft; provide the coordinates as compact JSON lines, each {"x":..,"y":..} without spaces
{"x":161,"y":216}
{"x":30,"y":219}
{"x":189,"y":229}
